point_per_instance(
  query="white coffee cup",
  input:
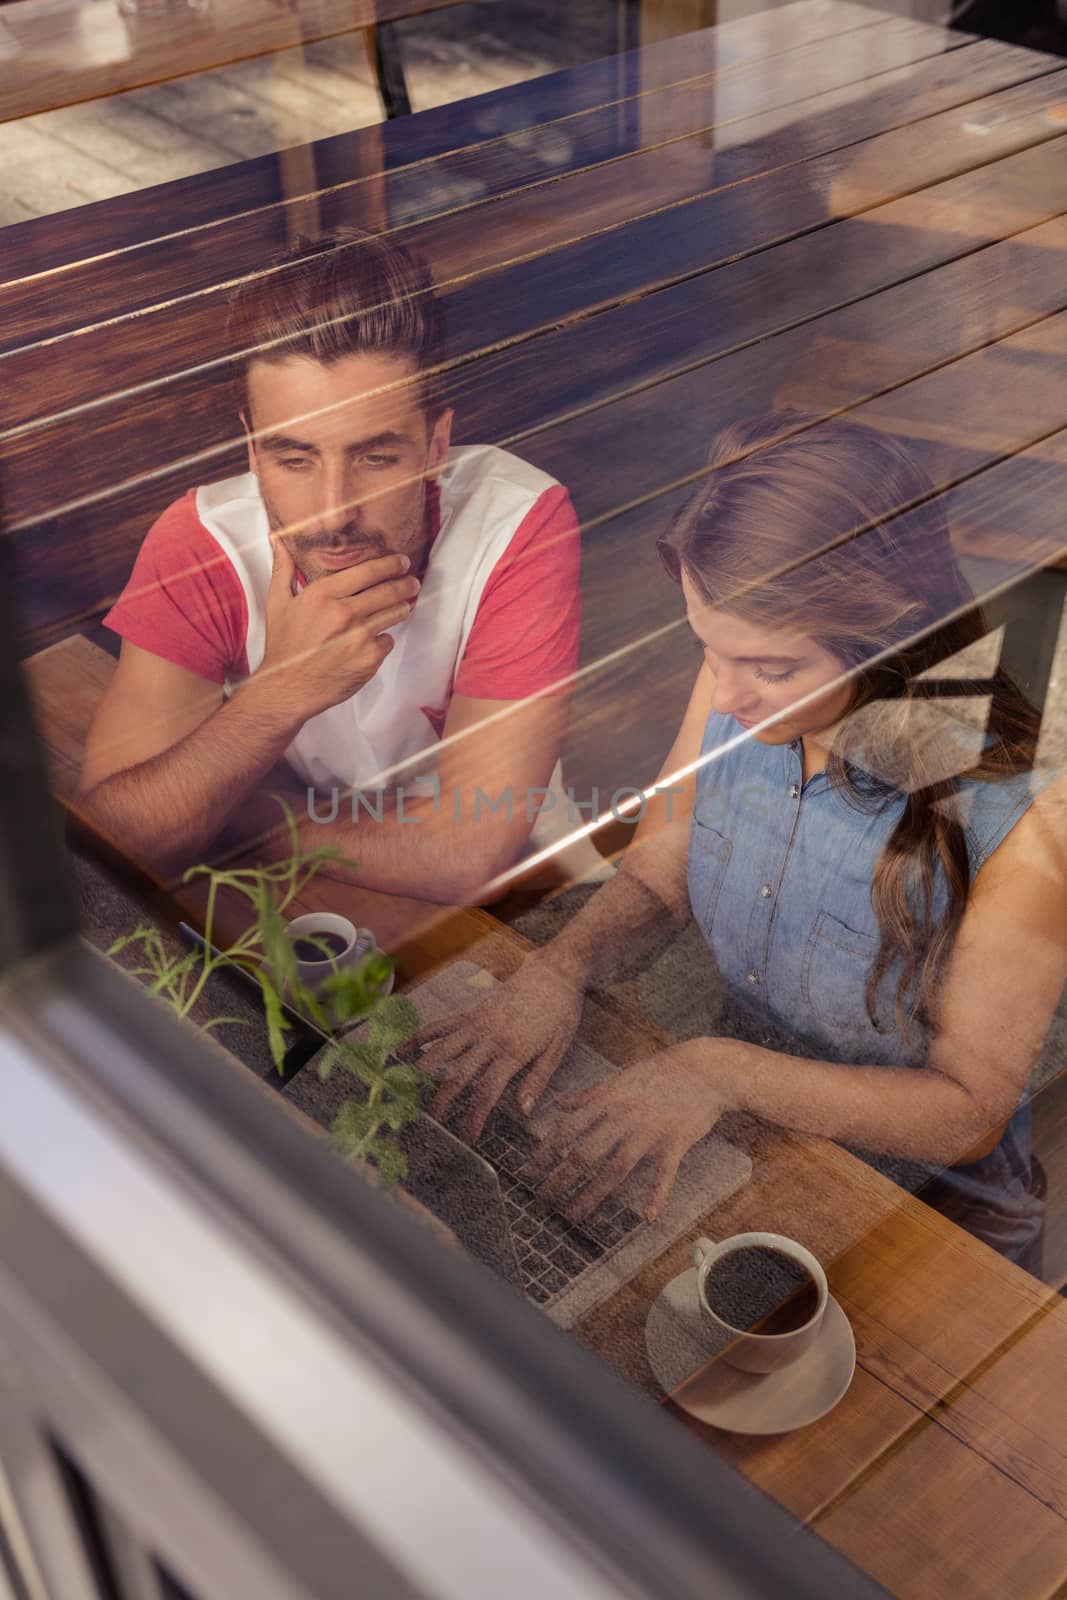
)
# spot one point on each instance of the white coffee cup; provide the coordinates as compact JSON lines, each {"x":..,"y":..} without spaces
{"x":358,"y":942}
{"x":761,"y":1352}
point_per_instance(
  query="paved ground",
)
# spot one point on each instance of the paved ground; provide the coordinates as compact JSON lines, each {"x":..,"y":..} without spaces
{"x":63,"y":158}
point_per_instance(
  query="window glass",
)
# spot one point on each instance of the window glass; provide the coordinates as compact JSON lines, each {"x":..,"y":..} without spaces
{"x":537,"y":545}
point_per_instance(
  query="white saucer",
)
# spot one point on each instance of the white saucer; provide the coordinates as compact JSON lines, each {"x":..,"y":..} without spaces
{"x":681,"y":1340}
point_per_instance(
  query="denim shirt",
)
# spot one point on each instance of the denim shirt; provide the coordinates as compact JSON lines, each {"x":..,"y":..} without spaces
{"x":780,"y":875}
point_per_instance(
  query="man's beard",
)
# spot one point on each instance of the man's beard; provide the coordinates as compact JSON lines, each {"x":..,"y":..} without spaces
{"x":371,"y":542}
{"x":410,"y":539}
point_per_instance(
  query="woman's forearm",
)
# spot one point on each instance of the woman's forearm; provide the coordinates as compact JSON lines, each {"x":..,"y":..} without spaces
{"x":915,"y":1112}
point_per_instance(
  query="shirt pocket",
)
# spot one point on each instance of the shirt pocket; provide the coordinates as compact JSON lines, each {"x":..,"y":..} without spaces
{"x":709,"y":856}
{"x":834,"y":971}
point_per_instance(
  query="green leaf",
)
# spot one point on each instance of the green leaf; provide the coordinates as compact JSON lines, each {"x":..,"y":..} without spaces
{"x":403,"y":1078}
{"x":355,"y":1123}
{"x":120,"y":944}
{"x":354,"y":991}
{"x":394,"y":1019}
{"x":309,"y":1004}
{"x":327,"y":1062}
{"x":389,"y":1097}
{"x":377,"y":968}
{"x":277,"y":1025}
{"x":186,"y":964}
{"x":346,"y":995}
{"x":361,"y":1059}
{"x":393,"y":1114}
{"x":390,"y":1160}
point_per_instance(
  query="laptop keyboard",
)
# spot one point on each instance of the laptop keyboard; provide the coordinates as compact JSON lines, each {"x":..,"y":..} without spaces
{"x":552,"y":1250}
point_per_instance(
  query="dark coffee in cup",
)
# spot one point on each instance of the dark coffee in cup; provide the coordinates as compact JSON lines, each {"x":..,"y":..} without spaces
{"x":332,"y":942}
{"x":758,"y":1289}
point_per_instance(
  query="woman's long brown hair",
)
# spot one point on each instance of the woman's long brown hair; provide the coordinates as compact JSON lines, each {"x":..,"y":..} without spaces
{"x":831,"y":529}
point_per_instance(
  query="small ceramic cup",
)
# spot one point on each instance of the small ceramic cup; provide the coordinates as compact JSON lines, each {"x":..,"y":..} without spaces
{"x":761,"y":1352}
{"x":358,"y":942}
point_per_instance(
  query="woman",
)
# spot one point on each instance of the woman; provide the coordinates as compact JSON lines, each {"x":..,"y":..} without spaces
{"x":880,"y":880}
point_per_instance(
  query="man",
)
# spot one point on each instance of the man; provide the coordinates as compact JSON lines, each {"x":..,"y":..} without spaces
{"x":365,"y":601}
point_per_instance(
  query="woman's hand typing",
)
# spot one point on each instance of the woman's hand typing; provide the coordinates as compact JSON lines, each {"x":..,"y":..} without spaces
{"x":655,"y":1112}
{"x":523,"y":1031}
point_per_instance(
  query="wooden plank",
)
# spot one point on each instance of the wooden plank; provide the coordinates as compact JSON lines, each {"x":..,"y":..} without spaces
{"x":494,"y":315}
{"x":957,"y":421}
{"x":805,"y":1469}
{"x":654,"y":438}
{"x":54,"y":67}
{"x":635,"y":447}
{"x":935,"y":1516}
{"x":598,"y":271}
{"x":882,"y":1249}
{"x":746,"y":104}
{"x":61,"y":287}
{"x":937,"y":1319}
{"x":830,"y":362}
{"x":65,"y":684}
{"x":830,"y":281}
{"x":503,"y":397}
{"x":1003,"y":1409}
{"x":616,"y":257}
{"x":200,"y":200}
{"x":904,"y":1498}
{"x":973,"y":1355}
{"x":203,"y":406}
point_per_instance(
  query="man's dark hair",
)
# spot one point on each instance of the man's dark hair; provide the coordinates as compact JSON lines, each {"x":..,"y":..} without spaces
{"x":344,"y":293}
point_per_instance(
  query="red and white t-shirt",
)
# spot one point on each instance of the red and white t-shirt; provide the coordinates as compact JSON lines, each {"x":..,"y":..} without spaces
{"x":185,"y":602}
{"x":496,"y":618}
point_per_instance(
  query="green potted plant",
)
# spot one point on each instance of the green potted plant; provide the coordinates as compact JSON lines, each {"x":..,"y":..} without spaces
{"x":390,"y":1092}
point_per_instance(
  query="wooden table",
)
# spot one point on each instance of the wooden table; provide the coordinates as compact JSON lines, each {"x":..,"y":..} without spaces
{"x":946,"y":1460}
{"x":647,"y":251}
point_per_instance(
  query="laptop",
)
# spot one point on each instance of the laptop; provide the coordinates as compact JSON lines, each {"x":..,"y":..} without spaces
{"x":567,"y":1268}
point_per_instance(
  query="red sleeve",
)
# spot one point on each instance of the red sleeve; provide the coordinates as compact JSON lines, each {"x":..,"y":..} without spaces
{"x":184,"y":601}
{"x":525,"y":635}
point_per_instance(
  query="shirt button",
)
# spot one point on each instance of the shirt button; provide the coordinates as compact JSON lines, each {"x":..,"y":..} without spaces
{"x":794,"y":791}
{"x":753,"y":976}
{"x":765,"y":891}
